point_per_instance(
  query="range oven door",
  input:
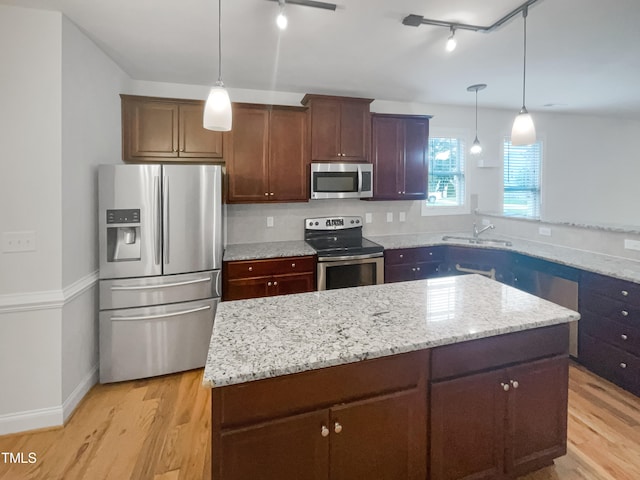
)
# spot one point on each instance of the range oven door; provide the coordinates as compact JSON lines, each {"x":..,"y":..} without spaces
{"x":345,"y":272}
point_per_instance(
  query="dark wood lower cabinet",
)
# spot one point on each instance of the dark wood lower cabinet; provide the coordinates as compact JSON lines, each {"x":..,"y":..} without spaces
{"x":499,"y":424}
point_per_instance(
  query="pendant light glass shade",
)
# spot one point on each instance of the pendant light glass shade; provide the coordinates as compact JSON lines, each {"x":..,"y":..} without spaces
{"x":476,"y":148}
{"x":523,"y":131}
{"x":451,"y":41}
{"x":217,"y":109}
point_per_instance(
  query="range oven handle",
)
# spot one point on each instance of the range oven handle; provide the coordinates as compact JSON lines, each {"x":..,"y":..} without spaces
{"x":350,"y":257}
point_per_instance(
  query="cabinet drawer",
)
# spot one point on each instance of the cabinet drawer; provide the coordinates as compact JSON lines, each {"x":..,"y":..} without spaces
{"x":290,"y":394}
{"x":618,"y":334}
{"x":259,"y":268}
{"x":477,"y":257}
{"x":615,"y":288}
{"x":617,"y":310}
{"x":414,"y":255}
{"x":610,"y":362}
{"x":476,"y":355}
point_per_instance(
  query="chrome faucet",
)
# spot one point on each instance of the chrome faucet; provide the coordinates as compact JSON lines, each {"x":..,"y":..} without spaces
{"x":477,"y":232}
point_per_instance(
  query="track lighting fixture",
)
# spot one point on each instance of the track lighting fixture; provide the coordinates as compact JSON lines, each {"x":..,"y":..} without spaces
{"x":217,"y":109}
{"x":523,"y":131}
{"x":451,"y":41}
{"x":476,"y":148}
{"x":281,"y":19}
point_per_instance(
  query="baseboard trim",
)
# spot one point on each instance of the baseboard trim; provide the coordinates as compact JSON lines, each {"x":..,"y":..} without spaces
{"x":73,"y":400}
{"x":47,"y":299}
{"x":30,"y":420}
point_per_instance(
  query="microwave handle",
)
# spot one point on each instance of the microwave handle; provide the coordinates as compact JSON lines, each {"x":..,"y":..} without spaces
{"x":359,"y":179}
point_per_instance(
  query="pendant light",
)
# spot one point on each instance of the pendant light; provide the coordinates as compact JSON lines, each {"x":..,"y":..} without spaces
{"x":451,"y":41}
{"x":217,"y":109}
{"x":523,"y":131}
{"x":476,"y":148}
{"x":281,"y":19}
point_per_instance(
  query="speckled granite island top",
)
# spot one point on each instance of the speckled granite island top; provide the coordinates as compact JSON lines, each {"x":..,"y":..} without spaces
{"x":268,"y":337}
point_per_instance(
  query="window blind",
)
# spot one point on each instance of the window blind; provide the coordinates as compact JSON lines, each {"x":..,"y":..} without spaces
{"x":522,"y":179}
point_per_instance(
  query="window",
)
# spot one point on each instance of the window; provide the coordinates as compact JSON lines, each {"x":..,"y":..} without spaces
{"x":446,"y":186}
{"x":522,"y":179}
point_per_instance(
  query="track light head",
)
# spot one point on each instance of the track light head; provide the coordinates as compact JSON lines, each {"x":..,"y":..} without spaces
{"x":281,"y":19}
{"x":451,"y":41}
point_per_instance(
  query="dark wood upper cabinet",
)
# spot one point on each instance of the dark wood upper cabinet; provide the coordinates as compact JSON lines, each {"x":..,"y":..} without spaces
{"x":166,"y":129}
{"x":340,"y":128}
{"x":266,"y":154}
{"x":399,"y":155}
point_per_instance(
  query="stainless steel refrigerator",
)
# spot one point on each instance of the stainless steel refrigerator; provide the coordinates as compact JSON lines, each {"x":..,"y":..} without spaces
{"x":160,"y":235}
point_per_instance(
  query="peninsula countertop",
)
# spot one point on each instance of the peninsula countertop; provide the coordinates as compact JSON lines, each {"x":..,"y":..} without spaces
{"x":272,"y":336}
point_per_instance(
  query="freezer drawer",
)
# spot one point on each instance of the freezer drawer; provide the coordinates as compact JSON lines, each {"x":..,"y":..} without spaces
{"x":150,"y":341}
{"x":146,"y":291}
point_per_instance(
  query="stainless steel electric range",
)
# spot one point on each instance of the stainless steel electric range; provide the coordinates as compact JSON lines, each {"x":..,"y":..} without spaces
{"x":345,"y":257}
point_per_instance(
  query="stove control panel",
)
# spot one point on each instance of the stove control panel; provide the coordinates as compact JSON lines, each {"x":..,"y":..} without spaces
{"x":332,"y":223}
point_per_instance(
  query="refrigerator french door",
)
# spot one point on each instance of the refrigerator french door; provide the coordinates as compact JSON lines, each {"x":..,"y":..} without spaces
{"x":160,"y":231}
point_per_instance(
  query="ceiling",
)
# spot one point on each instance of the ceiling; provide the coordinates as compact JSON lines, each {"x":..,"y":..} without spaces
{"x":582,"y":54}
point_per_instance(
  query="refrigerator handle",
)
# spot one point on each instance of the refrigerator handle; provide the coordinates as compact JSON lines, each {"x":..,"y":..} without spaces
{"x":157,"y":220}
{"x":162,"y":315}
{"x":165,"y":223}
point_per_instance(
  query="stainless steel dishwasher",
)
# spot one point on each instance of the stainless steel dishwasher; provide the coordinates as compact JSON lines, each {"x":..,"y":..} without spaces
{"x":553,"y":282}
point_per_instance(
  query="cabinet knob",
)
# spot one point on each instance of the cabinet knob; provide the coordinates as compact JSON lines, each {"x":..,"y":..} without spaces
{"x":418,"y":268}
{"x":624,"y":313}
{"x":324,"y":431}
{"x":271,"y":194}
{"x":505,"y":386}
{"x":182,"y":149}
{"x":515,"y":384}
{"x":337,"y":427}
{"x":266,"y":194}
{"x":623,"y":365}
{"x":251,"y":269}
{"x":404,"y":193}
{"x":623,"y":337}
{"x":269,"y":284}
{"x":413,"y":269}
{"x":275,"y":283}
{"x":175,"y":149}
{"x":293,"y":265}
{"x":431,"y":254}
{"x":401,"y":255}
{"x":624,"y":293}
{"x":399,"y":193}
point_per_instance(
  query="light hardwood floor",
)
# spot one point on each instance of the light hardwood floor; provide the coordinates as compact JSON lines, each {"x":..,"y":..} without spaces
{"x":158,"y":429}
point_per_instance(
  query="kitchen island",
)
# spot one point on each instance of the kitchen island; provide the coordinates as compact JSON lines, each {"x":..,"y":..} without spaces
{"x":453,"y":376}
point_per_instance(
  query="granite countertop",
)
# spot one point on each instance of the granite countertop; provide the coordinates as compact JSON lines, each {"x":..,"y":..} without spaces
{"x":267,"y":337}
{"x":623,"y":268}
{"x":254,"y":251}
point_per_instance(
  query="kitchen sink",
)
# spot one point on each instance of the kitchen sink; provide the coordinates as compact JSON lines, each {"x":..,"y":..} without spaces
{"x":478,"y":241}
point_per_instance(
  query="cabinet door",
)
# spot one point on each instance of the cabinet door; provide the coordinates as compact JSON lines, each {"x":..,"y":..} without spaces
{"x":387,"y":148}
{"x":325,"y":130}
{"x":384,"y":438}
{"x":537,"y":414}
{"x":354,"y":131}
{"x":288,"y":284}
{"x":196,"y":141}
{"x":247,"y":288}
{"x":399,"y":273}
{"x":247,"y":161}
{"x":415,"y":165}
{"x":150,"y":129}
{"x":289,"y":449}
{"x":467,"y":427}
{"x":288,"y":164}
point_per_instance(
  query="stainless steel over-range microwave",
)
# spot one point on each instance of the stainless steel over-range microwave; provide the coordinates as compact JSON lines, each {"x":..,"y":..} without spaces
{"x":341,"y":180}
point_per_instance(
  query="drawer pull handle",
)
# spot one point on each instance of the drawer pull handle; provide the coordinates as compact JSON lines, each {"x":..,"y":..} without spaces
{"x":337,"y":428}
{"x":623,"y":337}
{"x":324,"y":431}
{"x":624,"y":313}
{"x":623,"y":365}
{"x":624,"y":293}
{"x":505,"y":386}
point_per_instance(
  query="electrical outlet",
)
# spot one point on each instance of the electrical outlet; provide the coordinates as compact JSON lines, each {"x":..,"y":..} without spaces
{"x":631,"y":244}
{"x":19,"y":242}
{"x":368,"y":218}
{"x":402,"y":217}
{"x":389,"y":217}
{"x":546,"y":231}
{"x":269,"y":222}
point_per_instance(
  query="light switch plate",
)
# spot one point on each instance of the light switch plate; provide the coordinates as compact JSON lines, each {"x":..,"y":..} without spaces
{"x":368,"y":218}
{"x":389,"y":217}
{"x":631,"y":244}
{"x":269,"y":222}
{"x":402,"y":217}
{"x":545,"y":231}
{"x":18,"y":242}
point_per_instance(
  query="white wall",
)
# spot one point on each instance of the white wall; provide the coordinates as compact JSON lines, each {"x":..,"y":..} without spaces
{"x":91,"y":135}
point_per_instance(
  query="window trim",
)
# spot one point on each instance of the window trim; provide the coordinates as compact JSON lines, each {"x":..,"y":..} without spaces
{"x":540,"y":137}
{"x":427,"y":210}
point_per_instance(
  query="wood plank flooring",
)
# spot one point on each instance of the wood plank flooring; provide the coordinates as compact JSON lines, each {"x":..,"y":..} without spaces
{"x":158,"y":429}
